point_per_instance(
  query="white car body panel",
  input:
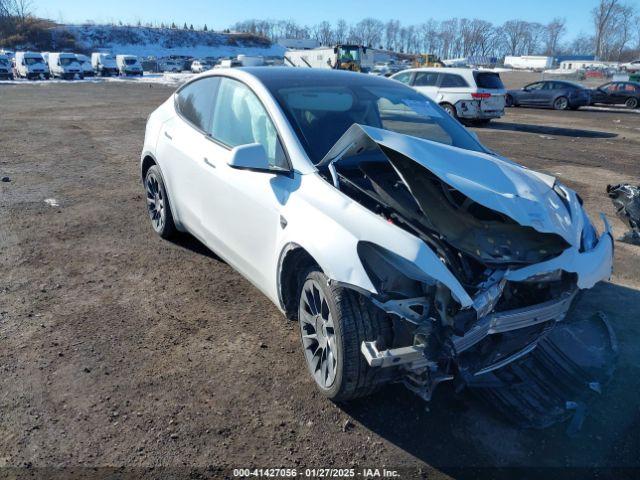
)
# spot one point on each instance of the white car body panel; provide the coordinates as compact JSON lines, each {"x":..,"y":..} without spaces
{"x":238,"y":213}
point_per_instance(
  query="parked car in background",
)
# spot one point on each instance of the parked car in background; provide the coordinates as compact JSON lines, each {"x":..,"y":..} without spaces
{"x":128,"y":65}
{"x":464,"y":93}
{"x":407,"y":251}
{"x":6,"y":69}
{"x":201,"y":65}
{"x":85,"y":65}
{"x":31,"y":65}
{"x":104,"y":64}
{"x":617,"y":93}
{"x":633,"y":66}
{"x":556,"y":94}
{"x":64,"y":65}
{"x":386,"y":69}
{"x":169,"y":65}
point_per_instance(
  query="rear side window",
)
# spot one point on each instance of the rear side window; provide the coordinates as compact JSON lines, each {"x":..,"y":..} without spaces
{"x":426,"y":79}
{"x":404,"y":77}
{"x":449,"y":81}
{"x":488,"y":80}
{"x":196,"y":101}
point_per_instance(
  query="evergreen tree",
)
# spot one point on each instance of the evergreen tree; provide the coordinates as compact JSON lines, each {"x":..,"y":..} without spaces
{"x":205,"y":28}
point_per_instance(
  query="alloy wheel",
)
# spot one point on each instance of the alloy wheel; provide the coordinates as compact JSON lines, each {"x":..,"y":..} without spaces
{"x":155,"y":202}
{"x":561,"y":103}
{"x":318,"y":334}
{"x":632,"y":103}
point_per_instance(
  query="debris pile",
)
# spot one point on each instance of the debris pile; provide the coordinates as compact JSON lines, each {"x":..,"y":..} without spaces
{"x":626,"y":200}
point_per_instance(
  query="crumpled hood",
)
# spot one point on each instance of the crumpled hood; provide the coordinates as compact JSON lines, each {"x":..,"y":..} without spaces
{"x":525,"y":196}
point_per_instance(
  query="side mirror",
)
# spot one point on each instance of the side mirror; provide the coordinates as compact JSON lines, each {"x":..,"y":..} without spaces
{"x":249,"y":157}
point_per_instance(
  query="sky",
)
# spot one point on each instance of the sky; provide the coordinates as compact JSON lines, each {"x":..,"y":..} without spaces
{"x":223,"y":14}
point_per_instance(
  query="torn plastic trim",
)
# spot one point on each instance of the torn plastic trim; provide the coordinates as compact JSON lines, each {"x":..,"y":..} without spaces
{"x":500,"y":322}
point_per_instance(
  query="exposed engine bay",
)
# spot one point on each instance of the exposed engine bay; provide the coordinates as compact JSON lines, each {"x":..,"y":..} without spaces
{"x":520,"y":287}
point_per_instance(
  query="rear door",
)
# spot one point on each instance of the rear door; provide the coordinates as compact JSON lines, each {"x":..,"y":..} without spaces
{"x":453,"y":88}
{"x":180,"y":146}
{"x":427,"y":84}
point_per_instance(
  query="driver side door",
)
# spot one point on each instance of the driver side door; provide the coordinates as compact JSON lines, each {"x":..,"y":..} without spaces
{"x":530,"y":94}
{"x":242,"y":208}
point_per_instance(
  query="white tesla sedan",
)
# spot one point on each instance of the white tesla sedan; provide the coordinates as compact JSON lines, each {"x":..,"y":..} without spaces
{"x":407,"y":250}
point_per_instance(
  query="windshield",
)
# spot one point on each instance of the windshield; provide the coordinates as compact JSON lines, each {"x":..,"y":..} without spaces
{"x":66,"y":61}
{"x":130,"y":61}
{"x":348,"y":54}
{"x":32,"y":60}
{"x":321,"y":114}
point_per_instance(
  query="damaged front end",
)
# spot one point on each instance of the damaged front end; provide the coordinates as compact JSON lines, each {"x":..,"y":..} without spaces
{"x":518,"y":245}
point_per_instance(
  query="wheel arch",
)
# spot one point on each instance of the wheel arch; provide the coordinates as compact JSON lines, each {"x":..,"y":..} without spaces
{"x":293,"y":262}
{"x":148,"y":160}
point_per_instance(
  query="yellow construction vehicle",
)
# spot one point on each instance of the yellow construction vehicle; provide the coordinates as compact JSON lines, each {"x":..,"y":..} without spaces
{"x":427,"y":60}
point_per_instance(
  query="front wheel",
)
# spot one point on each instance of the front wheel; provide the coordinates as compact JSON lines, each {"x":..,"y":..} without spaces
{"x":158,"y":205}
{"x":334,"y":322}
{"x":632,"y":103}
{"x":508,"y":100}
{"x":561,"y":103}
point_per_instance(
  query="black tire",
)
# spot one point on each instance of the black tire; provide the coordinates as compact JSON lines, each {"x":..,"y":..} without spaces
{"x":354,"y":320}
{"x":632,"y":103}
{"x":158,"y":204}
{"x":450,"y":109}
{"x":561,"y":103}
{"x":508,"y":101}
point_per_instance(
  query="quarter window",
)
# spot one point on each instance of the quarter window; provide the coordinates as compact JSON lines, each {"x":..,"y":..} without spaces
{"x":239,"y":118}
{"x":452,"y":81}
{"x":196,"y":101}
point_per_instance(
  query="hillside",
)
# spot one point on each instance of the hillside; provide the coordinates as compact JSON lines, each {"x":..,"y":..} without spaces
{"x":159,"y":42}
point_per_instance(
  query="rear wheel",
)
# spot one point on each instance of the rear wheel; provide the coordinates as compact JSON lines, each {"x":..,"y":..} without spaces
{"x":450,"y":109}
{"x":632,"y":103}
{"x":561,"y":103}
{"x":158,"y":205}
{"x":334,"y":321}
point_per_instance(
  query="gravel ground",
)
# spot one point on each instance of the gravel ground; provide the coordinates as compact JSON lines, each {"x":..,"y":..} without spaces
{"x":120,"y":349}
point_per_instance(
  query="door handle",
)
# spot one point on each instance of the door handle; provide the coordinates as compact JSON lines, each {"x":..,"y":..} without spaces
{"x":166,"y":134}
{"x":206,"y":160}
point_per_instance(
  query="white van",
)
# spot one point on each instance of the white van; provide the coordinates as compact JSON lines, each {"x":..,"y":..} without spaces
{"x":464,"y":93}
{"x":104,"y":64}
{"x":128,"y":65}
{"x":31,"y":65}
{"x":6,"y":69}
{"x":85,"y":65}
{"x":64,"y":65}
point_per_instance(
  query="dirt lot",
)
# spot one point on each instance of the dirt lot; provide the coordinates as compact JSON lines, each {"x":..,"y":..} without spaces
{"x":121,"y":349}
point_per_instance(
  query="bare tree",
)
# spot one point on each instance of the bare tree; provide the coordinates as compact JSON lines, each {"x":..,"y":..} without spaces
{"x":553,"y":34}
{"x":602,"y":16}
{"x":341,"y":31}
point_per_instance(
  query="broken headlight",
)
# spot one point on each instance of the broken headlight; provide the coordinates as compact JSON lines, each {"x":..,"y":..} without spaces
{"x":589,"y":235}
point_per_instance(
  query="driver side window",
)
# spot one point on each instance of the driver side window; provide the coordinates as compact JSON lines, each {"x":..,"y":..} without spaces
{"x":239,"y":118}
{"x":535,"y":86}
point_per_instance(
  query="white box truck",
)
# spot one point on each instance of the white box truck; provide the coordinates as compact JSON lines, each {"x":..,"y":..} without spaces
{"x":128,"y":65}
{"x":340,"y":57}
{"x":104,"y":64}
{"x":31,"y":65}
{"x":85,"y":65}
{"x":64,"y":65}
{"x":536,"y":63}
{"x":6,"y":69}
